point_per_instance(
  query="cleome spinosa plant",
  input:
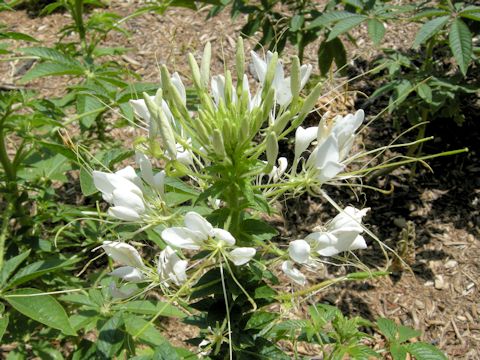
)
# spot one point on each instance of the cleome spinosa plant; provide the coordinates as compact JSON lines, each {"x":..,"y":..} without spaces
{"x":219,"y":172}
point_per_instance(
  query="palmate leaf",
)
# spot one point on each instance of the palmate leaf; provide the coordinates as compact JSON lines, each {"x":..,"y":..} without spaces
{"x":345,"y":25}
{"x":460,"y":41}
{"x":42,"y":308}
{"x":429,"y":29}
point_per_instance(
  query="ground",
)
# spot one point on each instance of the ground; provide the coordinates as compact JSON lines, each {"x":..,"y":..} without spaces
{"x":432,"y":219}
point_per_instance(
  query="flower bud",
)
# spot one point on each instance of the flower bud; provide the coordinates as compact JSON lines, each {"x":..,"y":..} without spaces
{"x":218,"y":145}
{"x":240,"y":64}
{"x":295,"y":77}
{"x":164,"y":126}
{"x":272,"y":150}
{"x":197,"y":79}
{"x":205,"y":65}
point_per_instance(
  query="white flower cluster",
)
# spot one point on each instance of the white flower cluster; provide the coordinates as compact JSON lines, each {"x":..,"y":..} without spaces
{"x":334,"y":142}
{"x":341,"y":234}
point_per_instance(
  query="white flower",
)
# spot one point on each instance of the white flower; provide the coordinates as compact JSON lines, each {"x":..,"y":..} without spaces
{"x":120,"y":190}
{"x":293,"y":273}
{"x":127,"y":256}
{"x":197,"y":231}
{"x":277,"y":172}
{"x":325,"y":160}
{"x":303,"y":139}
{"x":281,"y":84}
{"x":123,"y":253}
{"x":170,"y":267}
{"x":122,"y":293}
{"x":341,"y":234}
{"x":128,"y":273}
{"x":156,"y":181}
{"x":299,"y":251}
{"x":241,"y":255}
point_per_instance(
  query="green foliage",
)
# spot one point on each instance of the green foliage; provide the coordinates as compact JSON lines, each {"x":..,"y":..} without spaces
{"x":397,"y":337}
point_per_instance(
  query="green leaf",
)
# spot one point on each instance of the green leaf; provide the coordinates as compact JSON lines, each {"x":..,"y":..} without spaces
{"x":424,"y":351}
{"x":388,"y":328}
{"x":17,"y":36}
{"x":42,"y":308}
{"x":165,"y":352}
{"x":425,"y":92}
{"x":52,"y":55}
{"x":398,"y":351}
{"x":111,"y":337}
{"x":331,"y":51}
{"x":460,"y":40}
{"x":329,"y":18}
{"x":345,"y":25}
{"x":40,"y":268}
{"x":429,"y":29}
{"x":150,"y":307}
{"x":260,"y":319}
{"x":10,"y":265}
{"x":471,"y":12}
{"x":3,"y":325}
{"x":142,"y":330}
{"x":86,"y":182}
{"x":50,"y":69}
{"x":405,"y":333}
{"x":376,"y":30}
{"x":88,"y":108}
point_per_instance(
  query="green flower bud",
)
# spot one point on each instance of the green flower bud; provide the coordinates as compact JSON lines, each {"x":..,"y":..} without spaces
{"x":272,"y":150}
{"x":218,"y":145}
{"x":205,"y":65}
{"x":197,"y":78}
{"x":164,"y":126}
{"x":281,"y":123}
{"x":295,"y":81}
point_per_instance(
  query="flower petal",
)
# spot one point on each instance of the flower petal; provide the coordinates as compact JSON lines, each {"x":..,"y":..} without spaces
{"x":123,"y":253}
{"x":145,"y":167}
{"x":242,"y":255}
{"x":299,"y":251}
{"x":127,"y":273}
{"x":177,"y":82}
{"x":140,"y":109}
{"x":129,"y":200}
{"x":183,"y":238}
{"x":303,"y":139}
{"x":197,"y":222}
{"x":224,"y":235}
{"x":123,"y":213}
{"x":293,"y":273}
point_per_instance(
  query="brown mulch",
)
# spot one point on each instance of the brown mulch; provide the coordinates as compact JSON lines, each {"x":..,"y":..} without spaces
{"x":439,"y":296}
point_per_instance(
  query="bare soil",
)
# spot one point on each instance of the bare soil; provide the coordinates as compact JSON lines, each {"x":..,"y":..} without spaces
{"x":435,"y":214}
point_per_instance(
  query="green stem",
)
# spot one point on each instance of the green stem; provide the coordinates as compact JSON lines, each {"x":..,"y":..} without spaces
{"x":5,"y":160}
{"x":3,"y":233}
{"x":404,"y":162}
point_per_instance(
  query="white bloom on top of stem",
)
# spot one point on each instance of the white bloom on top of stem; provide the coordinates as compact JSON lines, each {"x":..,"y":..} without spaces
{"x":121,"y":190}
{"x":341,"y":234}
{"x":127,"y":256}
{"x":198,"y":231}
{"x":334,"y":144}
{"x":281,"y":84}
{"x":171,"y":268}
